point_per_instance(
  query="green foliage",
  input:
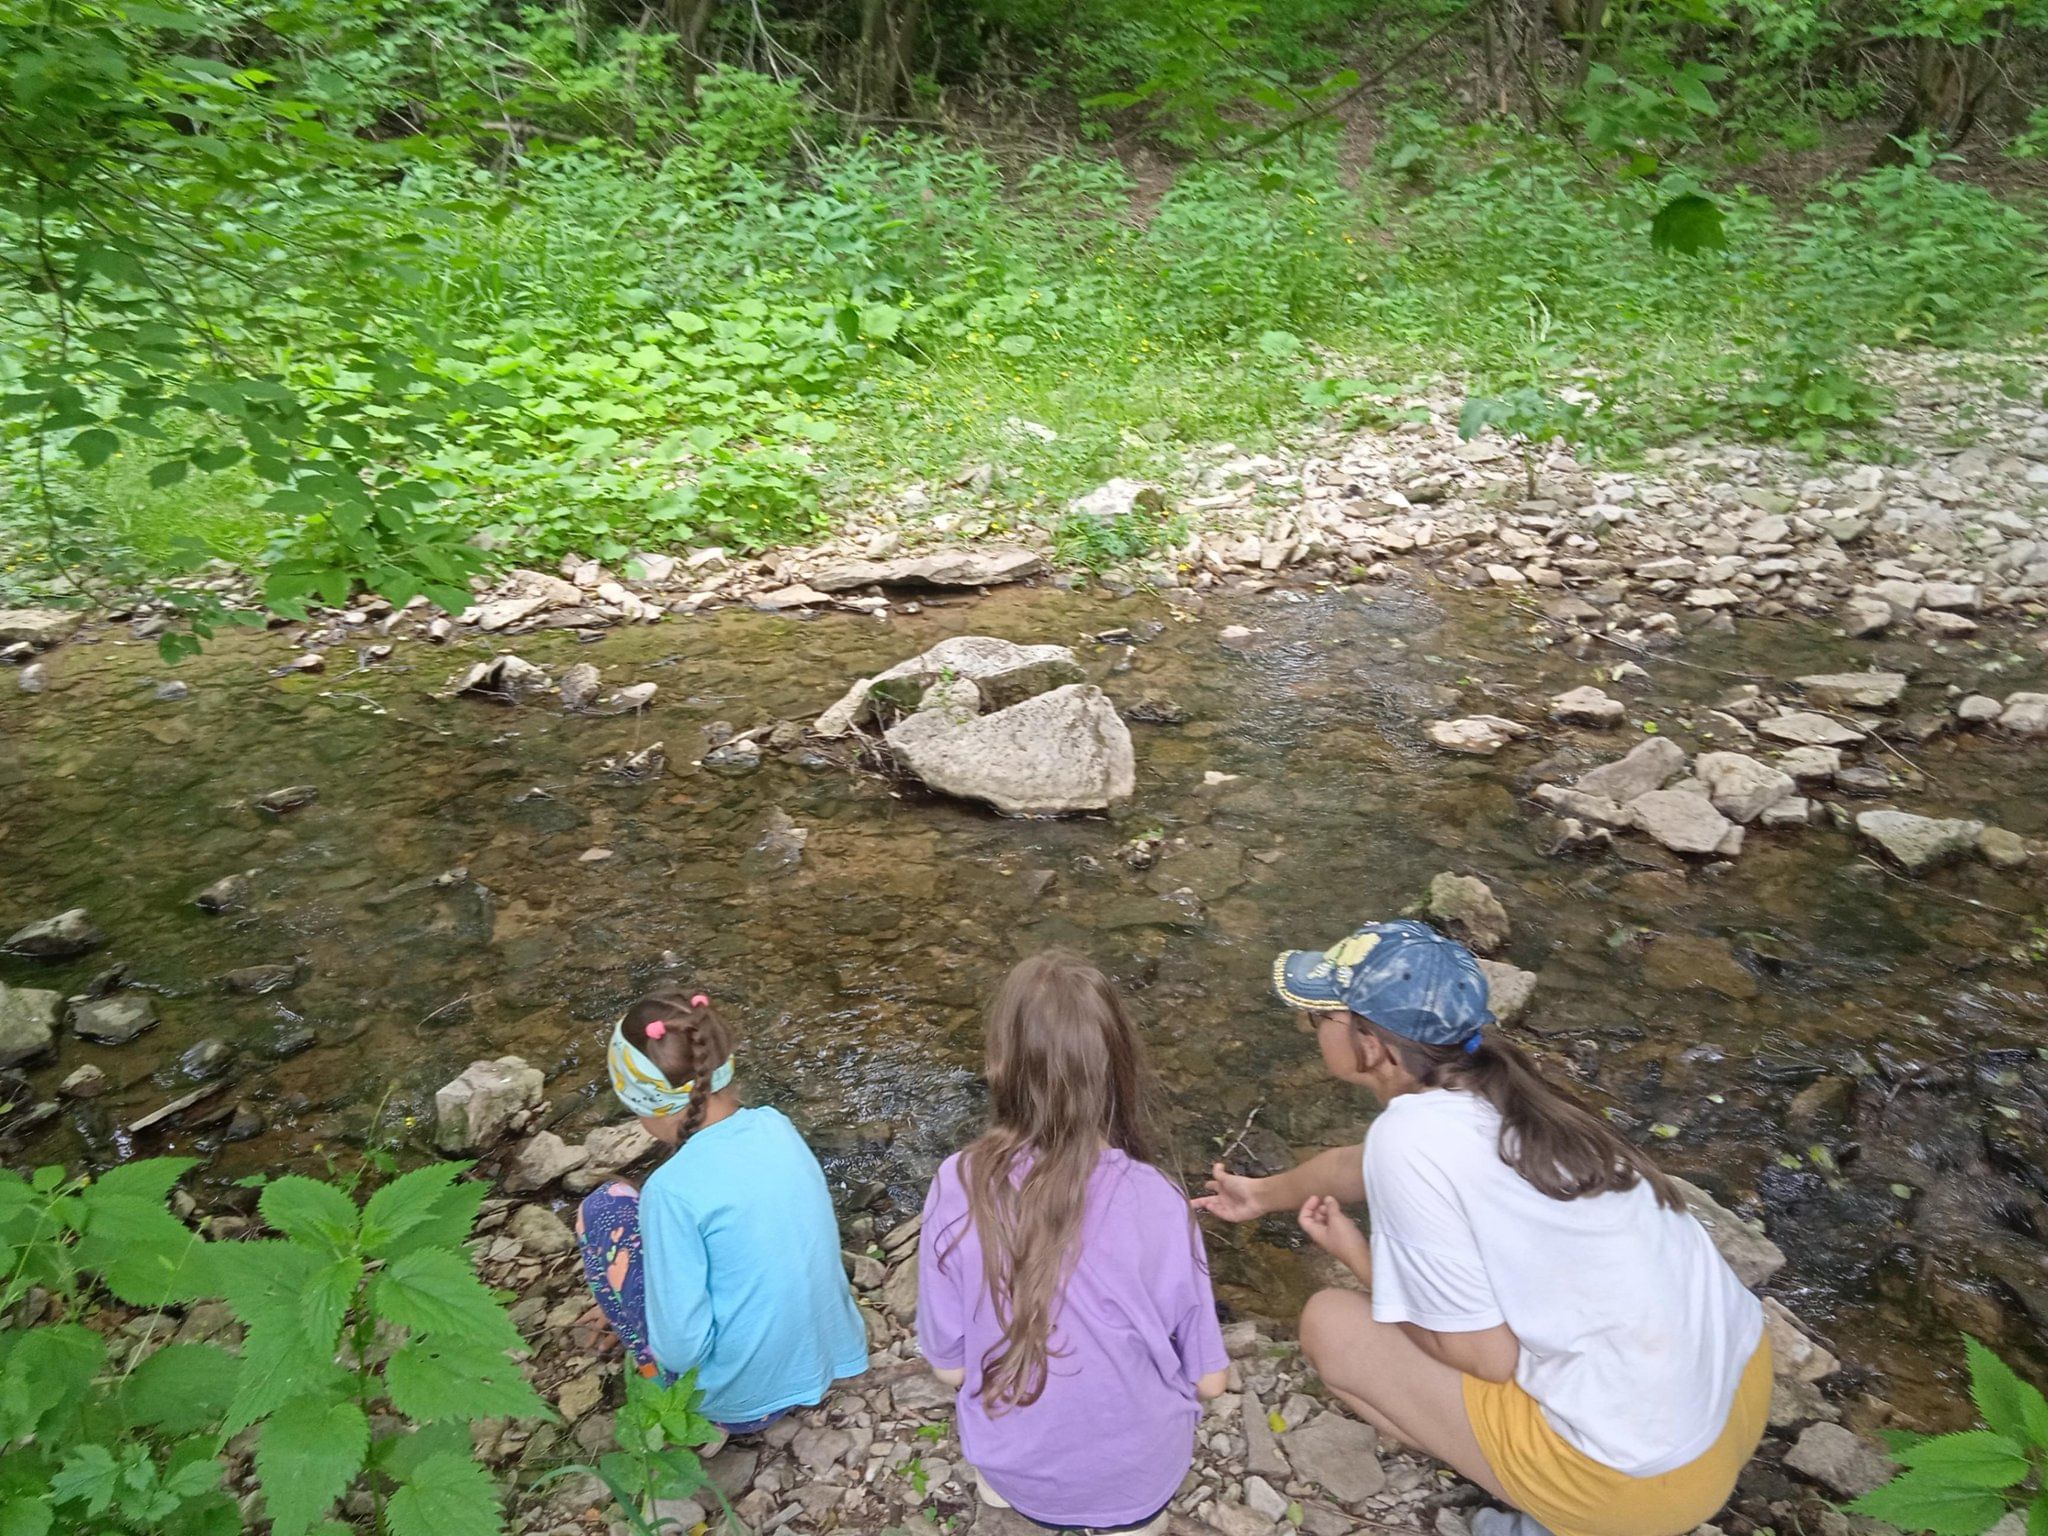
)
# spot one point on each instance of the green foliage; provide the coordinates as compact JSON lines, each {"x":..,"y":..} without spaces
{"x":1097,"y":543}
{"x":659,"y":1431}
{"x":369,"y":1347}
{"x":1963,"y":1484}
{"x":1926,"y":259}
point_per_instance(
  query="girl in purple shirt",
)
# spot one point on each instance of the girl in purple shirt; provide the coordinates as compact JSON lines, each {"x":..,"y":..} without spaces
{"x":1061,"y":1282}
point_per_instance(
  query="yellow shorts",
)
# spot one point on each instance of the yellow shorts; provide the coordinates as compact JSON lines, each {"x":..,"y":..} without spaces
{"x":1549,"y":1477}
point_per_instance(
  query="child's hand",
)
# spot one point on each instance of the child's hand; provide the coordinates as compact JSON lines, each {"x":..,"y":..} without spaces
{"x":1231,"y":1196}
{"x":1323,"y":1219}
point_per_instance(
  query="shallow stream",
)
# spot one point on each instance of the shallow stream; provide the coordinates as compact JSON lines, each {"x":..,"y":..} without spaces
{"x":1908,"y":1187}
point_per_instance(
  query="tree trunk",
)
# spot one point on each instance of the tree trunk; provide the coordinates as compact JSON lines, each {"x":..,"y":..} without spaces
{"x":688,"y":19}
{"x":1950,"y":83}
{"x":1580,"y":22}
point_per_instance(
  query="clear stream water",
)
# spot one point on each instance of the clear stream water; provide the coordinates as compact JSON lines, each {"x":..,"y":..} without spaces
{"x":1911,"y":1202}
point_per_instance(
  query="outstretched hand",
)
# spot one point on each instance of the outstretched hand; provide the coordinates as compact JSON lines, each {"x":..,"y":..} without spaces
{"x":1232,"y":1196}
{"x":1323,"y":1219}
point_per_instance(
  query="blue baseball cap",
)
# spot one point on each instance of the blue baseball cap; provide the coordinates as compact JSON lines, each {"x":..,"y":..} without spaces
{"x":1404,"y":976}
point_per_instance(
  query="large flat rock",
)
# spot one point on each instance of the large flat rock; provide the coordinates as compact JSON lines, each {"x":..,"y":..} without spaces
{"x":948,"y":568}
{"x":1058,"y":753}
{"x":39,"y":627}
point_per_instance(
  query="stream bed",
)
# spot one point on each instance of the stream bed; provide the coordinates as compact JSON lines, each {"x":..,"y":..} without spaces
{"x":1854,"y":1057}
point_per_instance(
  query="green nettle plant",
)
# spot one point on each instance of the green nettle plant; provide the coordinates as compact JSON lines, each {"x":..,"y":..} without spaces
{"x":370,"y":1345}
{"x":1528,"y":416}
{"x":659,"y":1433}
{"x":1965,"y":1483}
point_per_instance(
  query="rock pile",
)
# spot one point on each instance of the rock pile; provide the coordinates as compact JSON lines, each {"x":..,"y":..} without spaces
{"x":1014,"y":726}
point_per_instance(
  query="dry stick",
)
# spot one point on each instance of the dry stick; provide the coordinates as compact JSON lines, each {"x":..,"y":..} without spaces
{"x":1870,"y":735}
{"x":1370,"y":82}
{"x":1243,"y":1131}
{"x":1643,"y":651}
{"x":1940,"y":895}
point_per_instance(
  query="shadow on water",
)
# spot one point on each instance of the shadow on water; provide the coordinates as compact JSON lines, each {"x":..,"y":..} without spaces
{"x":1856,"y":1057}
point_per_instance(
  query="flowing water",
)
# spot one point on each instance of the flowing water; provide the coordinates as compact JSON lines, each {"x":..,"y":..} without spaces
{"x":1907,"y":1187}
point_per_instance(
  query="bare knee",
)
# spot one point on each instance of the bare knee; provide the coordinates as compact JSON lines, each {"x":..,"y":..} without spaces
{"x":1331,"y":1318}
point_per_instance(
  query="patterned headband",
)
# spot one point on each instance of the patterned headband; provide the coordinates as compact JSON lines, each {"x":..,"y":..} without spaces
{"x":644,"y":1088}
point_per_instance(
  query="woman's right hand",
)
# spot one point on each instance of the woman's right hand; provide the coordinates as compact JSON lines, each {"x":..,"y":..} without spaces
{"x":1232,"y":1196}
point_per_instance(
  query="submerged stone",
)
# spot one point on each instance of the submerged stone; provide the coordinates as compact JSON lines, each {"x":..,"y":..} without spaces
{"x":1918,"y":843}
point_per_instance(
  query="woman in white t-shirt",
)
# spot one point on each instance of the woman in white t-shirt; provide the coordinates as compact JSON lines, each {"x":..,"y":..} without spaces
{"x":1541,"y":1311}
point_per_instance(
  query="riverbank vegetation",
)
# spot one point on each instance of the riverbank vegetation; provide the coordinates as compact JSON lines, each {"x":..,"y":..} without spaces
{"x":373,"y":296}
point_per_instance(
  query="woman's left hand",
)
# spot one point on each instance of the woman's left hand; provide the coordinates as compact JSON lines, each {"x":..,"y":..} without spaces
{"x":1323,"y":1219}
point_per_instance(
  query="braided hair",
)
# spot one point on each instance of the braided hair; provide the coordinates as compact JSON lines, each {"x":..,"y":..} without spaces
{"x":694,"y":1043}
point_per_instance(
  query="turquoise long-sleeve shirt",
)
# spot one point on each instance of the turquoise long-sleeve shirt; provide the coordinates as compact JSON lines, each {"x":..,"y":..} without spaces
{"x":744,"y":1278}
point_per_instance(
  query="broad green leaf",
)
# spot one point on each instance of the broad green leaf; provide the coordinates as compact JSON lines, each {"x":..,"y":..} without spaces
{"x":435,"y":1292}
{"x":94,"y":446}
{"x":1018,"y":345}
{"x":432,"y":1379}
{"x":1924,"y":1500}
{"x":145,"y":1254}
{"x":446,"y":1495}
{"x":89,"y":1476}
{"x":307,"y":1210}
{"x":1689,"y":224}
{"x":149,"y":1178}
{"x":427,"y":1208}
{"x":399,"y":1456}
{"x":293,"y":1302}
{"x":1976,"y":1458}
{"x":2037,"y":1515}
{"x":1279,"y":344}
{"x":46,"y":1368}
{"x":25,"y":1517}
{"x":309,"y":1453}
{"x":181,"y":1388}
{"x":2009,"y":1405}
{"x":1691,"y":90}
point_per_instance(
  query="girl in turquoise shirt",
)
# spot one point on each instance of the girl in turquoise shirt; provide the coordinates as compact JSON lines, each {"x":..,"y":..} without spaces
{"x":727,"y":1262}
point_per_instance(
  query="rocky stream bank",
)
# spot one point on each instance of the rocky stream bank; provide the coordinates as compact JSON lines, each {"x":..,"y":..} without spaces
{"x":1826,"y":862}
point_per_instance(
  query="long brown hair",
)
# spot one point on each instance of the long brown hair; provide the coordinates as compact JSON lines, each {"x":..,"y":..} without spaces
{"x":1546,"y":1135}
{"x":693,"y":1045}
{"x":1067,"y":1079}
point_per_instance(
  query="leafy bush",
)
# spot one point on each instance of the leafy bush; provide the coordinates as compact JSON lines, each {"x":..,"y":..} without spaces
{"x":1235,"y":254}
{"x":659,"y":1432}
{"x":1963,"y":1484}
{"x":370,"y":1346}
{"x":1903,"y":255}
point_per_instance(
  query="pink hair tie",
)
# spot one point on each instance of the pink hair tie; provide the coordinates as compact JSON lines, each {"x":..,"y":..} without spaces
{"x":657,"y":1029}
{"x":700,"y":1001}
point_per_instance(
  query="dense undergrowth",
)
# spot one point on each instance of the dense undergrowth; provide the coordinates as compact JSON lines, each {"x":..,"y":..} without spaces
{"x":695,"y":351}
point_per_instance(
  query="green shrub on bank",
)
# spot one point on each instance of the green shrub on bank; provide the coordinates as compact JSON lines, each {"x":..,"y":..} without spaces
{"x":369,"y":1347}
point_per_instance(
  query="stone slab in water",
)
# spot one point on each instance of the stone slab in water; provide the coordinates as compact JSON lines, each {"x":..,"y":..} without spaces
{"x":985,"y":567}
{"x":57,"y":938}
{"x":1853,"y":690}
{"x":1752,"y":1255}
{"x":1649,"y":765}
{"x":113,"y":1020}
{"x":1919,"y":843}
{"x":478,"y":1107}
{"x":28,"y":1023}
{"x":38,"y":627}
{"x":1052,"y":755}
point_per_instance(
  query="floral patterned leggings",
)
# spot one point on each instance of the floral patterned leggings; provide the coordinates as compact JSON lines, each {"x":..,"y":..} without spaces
{"x":608,"y":1235}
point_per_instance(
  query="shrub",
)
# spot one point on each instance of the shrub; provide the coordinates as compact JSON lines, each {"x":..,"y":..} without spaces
{"x":1963,"y":1484}
{"x":370,"y":1346}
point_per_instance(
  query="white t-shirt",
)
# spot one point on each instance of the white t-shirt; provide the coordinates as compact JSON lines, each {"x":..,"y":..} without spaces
{"x":1634,"y":1331}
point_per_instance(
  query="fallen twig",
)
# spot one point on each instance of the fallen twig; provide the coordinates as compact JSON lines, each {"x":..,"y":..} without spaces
{"x":177,"y":1106}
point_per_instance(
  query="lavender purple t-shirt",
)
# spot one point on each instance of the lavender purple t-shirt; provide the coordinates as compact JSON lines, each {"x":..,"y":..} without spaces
{"x":1113,"y":1434}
